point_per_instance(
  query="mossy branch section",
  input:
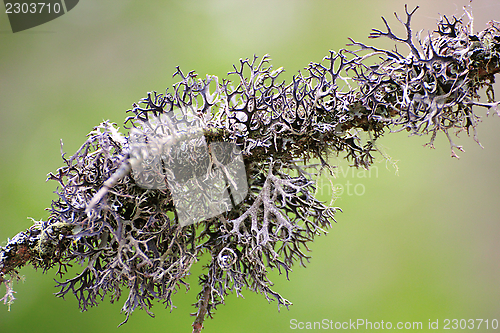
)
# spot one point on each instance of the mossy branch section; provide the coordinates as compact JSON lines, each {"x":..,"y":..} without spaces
{"x":128,"y":237}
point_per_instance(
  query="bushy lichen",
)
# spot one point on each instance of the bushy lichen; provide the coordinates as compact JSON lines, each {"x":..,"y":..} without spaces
{"x":128,"y":237}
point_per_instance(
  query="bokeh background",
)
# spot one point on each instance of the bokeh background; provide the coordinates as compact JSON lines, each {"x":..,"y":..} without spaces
{"x":418,"y":244}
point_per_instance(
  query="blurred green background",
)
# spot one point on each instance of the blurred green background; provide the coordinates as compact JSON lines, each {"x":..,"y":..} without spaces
{"x":418,"y":245}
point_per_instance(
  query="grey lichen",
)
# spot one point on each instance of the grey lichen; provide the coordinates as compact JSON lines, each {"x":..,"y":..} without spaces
{"x":129,"y":237}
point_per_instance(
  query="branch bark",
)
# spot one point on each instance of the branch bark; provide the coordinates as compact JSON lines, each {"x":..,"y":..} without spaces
{"x":202,"y":309}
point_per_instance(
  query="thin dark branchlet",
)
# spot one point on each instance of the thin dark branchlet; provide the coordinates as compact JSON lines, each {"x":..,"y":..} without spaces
{"x":128,"y":237}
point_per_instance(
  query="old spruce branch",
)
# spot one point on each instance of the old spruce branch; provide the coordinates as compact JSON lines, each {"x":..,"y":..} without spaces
{"x":128,"y":237}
